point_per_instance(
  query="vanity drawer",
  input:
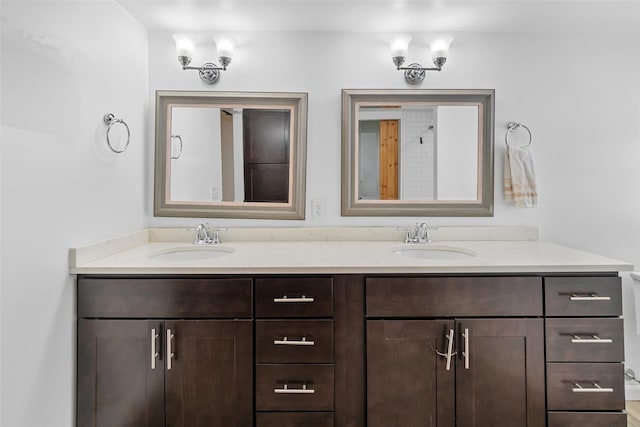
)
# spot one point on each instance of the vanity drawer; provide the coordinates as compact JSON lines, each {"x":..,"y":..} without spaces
{"x":453,"y":296}
{"x":583,"y":296}
{"x":294,"y":419}
{"x":156,"y":297}
{"x":584,"y":340}
{"x":294,"y":341}
{"x":294,"y":297}
{"x":587,"y":419}
{"x":271,"y":380}
{"x":563,"y":392}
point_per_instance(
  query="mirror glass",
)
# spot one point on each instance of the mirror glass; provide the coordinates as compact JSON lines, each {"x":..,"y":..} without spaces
{"x":230,"y":154}
{"x":417,"y":153}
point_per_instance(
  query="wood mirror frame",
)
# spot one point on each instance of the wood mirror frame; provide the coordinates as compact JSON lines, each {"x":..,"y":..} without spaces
{"x":353,"y":99}
{"x":294,"y":208}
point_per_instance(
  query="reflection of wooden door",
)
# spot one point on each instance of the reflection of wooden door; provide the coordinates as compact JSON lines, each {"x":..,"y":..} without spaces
{"x":266,"y":155}
{"x":389,"y":159}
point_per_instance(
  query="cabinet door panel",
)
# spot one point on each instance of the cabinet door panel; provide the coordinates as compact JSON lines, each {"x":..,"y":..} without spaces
{"x":504,"y":383}
{"x":210,"y":382}
{"x":116,"y":384}
{"x":407,"y":382}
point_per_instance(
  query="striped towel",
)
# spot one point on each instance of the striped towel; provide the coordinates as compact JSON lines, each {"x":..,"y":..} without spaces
{"x":520,"y":177}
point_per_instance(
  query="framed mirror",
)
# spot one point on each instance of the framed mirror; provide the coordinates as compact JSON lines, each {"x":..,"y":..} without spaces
{"x":230,"y":154}
{"x":417,"y":152}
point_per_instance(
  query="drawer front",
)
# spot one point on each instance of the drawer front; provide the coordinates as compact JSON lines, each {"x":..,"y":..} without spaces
{"x":294,"y":297}
{"x":294,"y":341}
{"x":271,"y":380}
{"x":583,"y":296}
{"x":294,"y":419}
{"x":571,"y":386}
{"x":584,"y":340}
{"x":164,"y":297}
{"x":453,"y":296}
{"x":587,"y":419}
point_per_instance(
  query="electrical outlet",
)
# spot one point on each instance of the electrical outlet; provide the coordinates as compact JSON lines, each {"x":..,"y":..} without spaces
{"x":215,"y":193}
{"x":318,"y":208}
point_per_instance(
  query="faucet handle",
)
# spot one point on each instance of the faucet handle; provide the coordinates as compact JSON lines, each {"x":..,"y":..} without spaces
{"x":407,"y":236}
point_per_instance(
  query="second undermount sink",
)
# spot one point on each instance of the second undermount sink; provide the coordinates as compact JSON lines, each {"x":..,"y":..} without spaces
{"x":190,"y":253}
{"x":430,"y":251}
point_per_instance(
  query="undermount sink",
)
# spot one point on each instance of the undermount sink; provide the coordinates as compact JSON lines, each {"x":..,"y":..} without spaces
{"x":429,"y":251}
{"x":190,"y":253}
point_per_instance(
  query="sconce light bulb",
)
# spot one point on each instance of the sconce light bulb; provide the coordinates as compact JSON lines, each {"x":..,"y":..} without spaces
{"x":440,"y":47}
{"x":400,"y":46}
{"x":225,"y":49}
{"x":184,"y":46}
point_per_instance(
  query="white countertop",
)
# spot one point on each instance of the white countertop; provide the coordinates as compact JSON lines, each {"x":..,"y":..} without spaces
{"x":334,"y":250}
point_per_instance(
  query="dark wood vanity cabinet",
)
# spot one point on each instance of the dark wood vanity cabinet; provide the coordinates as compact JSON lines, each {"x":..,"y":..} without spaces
{"x":350,"y":351}
{"x":455,"y":370}
{"x":157,"y":368}
{"x":584,"y":351}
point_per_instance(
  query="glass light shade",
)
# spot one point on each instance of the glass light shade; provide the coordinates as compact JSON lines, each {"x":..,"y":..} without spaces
{"x":440,"y":46}
{"x":400,"y":45}
{"x":184,"y":46}
{"x":225,"y":48}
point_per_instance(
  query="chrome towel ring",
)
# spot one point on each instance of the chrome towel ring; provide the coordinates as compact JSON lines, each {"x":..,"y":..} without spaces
{"x":110,"y":120}
{"x":179,"y":139}
{"x":514,"y":126}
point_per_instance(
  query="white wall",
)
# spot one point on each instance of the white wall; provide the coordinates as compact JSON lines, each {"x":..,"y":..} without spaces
{"x":64,"y":65}
{"x":582,"y":109}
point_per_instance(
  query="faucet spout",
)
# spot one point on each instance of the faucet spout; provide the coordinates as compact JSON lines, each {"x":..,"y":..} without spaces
{"x":420,"y":234}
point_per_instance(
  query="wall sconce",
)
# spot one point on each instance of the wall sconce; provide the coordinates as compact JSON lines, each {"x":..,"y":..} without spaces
{"x":209,"y":72}
{"x":415,"y":73}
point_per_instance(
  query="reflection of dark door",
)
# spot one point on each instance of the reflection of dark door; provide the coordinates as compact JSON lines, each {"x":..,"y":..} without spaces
{"x":266,"y":155}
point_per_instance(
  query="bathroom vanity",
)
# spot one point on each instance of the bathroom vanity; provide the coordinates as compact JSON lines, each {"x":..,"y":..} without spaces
{"x":265,"y":337}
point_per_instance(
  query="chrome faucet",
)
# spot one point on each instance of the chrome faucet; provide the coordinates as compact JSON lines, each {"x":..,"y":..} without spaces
{"x":420,"y":234}
{"x":205,"y":236}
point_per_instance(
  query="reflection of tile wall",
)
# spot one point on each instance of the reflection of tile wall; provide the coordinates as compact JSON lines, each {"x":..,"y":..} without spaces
{"x":417,"y":163}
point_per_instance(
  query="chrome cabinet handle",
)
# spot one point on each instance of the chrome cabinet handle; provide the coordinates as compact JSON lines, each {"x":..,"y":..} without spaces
{"x":466,"y":352}
{"x":577,"y":388}
{"x":170,"y":353}
{"x":449,"y":349}
{"x":286,"y":390}
{"x":577,"y":339}
{"x":588,"y":297}
{"x":154,"y":352}
{"x":287,"y":341}
{"x":285,"y":298}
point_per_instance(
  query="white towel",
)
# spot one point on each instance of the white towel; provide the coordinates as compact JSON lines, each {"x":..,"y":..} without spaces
{"x":520,"y":177}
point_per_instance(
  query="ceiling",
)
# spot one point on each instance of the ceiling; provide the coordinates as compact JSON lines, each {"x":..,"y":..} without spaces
{"x":388,"y":15}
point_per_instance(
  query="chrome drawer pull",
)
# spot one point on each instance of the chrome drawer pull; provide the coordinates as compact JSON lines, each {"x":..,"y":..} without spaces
{"x":170,"y":353}
{"x":467,"y":350}
{"x":286,"y":390}
{"x":154,"y":352}
{"x":577,"y":339}
{"x":588,"y":297}
{"x":450,"y":353}
{"x":285,"y":298}
{"x":595,"y":389}
{"x":287,"y":341}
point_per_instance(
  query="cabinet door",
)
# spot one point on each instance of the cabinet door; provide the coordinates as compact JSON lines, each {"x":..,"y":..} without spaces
{"x":117,"y":385}
{"x":503,"y":382}
{"x":210,"y":379}
{"x":407,"y":381}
